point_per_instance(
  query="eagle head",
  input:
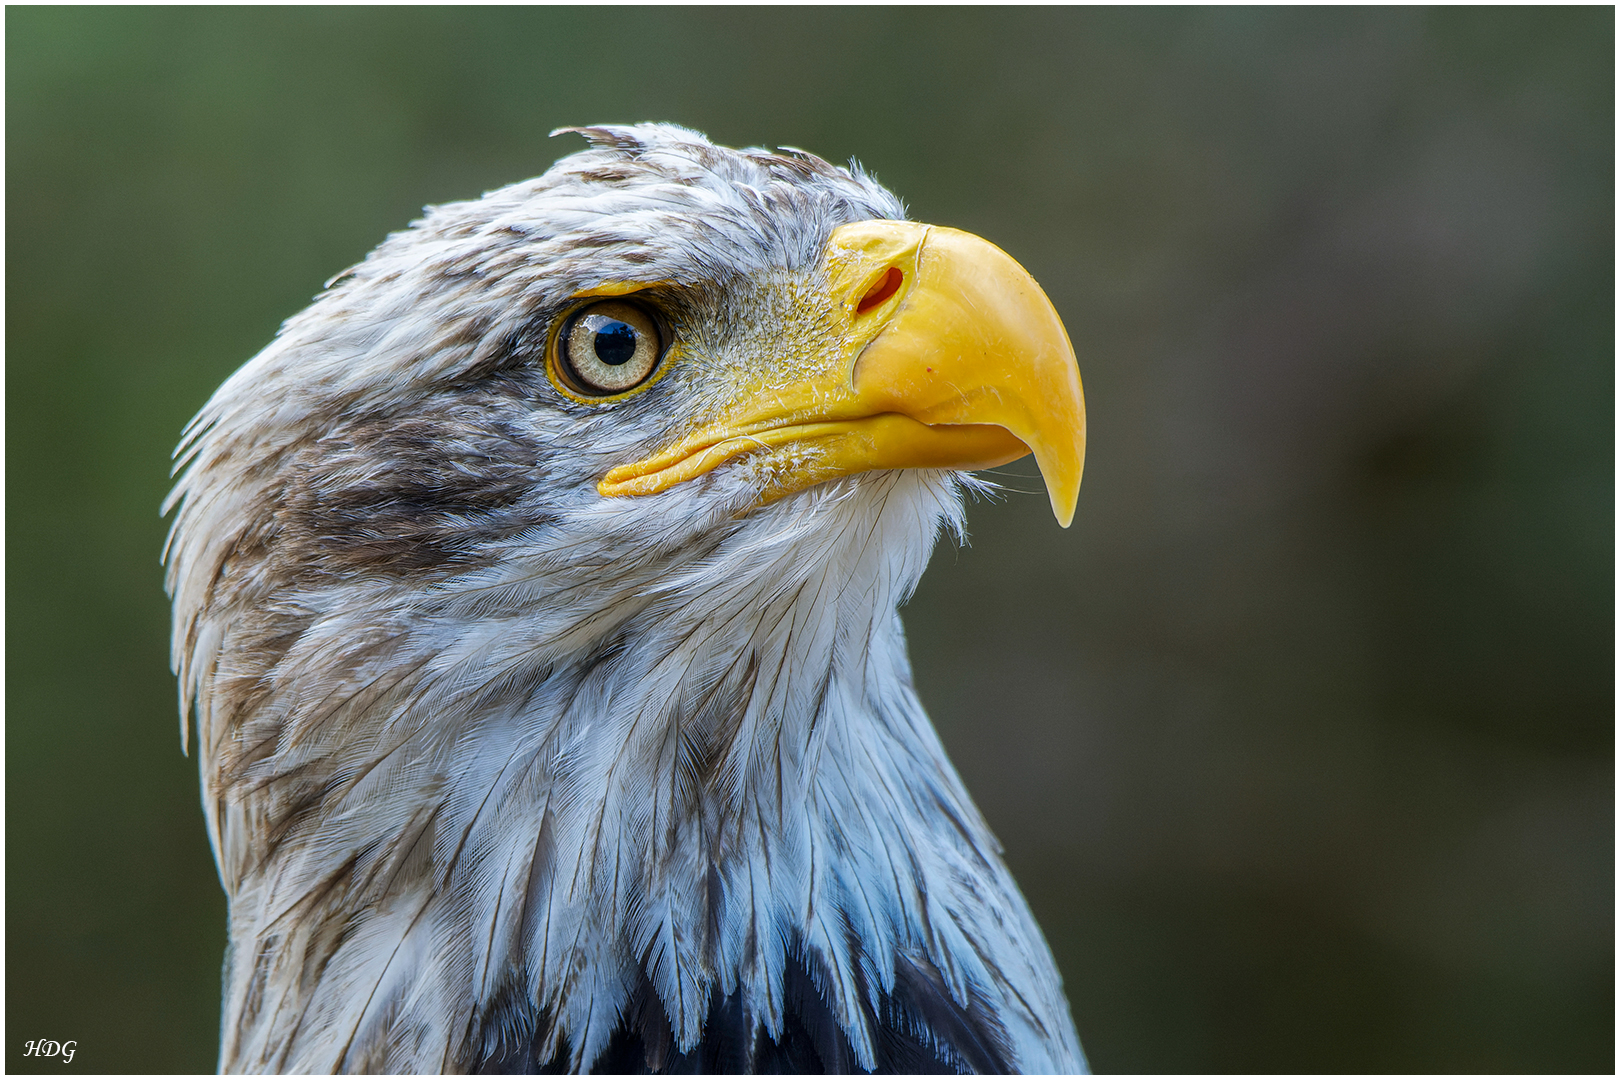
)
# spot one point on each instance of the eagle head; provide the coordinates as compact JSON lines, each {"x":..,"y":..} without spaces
{"x":535,"y":598}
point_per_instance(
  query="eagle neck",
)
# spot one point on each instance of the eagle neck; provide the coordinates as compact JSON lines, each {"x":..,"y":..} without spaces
{"x":773,"y":794}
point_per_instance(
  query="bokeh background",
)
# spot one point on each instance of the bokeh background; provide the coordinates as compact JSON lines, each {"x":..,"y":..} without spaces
{"x":1300,"y":740}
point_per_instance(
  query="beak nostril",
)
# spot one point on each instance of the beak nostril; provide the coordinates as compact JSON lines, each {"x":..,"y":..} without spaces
{"x":883,"y":288}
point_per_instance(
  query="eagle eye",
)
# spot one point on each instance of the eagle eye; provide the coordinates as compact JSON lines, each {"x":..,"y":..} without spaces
{"x":609,"y":347}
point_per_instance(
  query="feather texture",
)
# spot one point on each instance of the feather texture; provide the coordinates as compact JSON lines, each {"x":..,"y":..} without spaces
{"x":505,"y":776}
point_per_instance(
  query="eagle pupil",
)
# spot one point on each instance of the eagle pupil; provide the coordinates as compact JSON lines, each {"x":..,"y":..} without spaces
{"x":615,"y":343}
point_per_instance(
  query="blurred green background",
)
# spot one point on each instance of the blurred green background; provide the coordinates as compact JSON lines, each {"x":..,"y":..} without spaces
{"x":1301,"y":740}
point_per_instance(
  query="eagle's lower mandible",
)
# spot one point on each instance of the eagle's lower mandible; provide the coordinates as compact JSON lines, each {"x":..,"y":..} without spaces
{"x":534,"y":596}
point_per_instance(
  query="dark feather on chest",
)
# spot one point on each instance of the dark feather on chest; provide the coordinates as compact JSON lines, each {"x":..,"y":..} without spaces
{"x":918,"y":1029}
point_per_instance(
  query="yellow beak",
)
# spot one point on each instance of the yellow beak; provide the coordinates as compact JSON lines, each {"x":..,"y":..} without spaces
{"x":946,"y":354}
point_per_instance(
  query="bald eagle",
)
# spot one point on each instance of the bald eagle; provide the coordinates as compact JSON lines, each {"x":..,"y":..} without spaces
{"x":535,"y":599}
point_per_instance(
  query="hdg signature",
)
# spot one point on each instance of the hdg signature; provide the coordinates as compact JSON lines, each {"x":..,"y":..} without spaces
{"x":46,"y":1048}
